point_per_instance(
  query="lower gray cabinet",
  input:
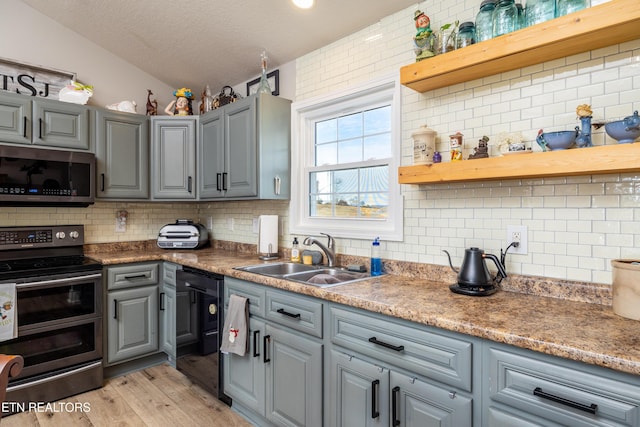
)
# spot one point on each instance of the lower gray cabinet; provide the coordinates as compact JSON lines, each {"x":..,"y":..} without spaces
{"x":369,"y":394}
{"x":525,"y":388}
{"x":279,"y":381}
{"x":131,"y":311}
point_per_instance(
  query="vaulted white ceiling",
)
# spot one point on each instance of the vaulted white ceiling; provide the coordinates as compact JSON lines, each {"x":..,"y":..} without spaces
{"x":190,"y":43}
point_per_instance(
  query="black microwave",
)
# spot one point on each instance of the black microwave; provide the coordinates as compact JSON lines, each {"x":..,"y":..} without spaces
{"x":38,"y":176}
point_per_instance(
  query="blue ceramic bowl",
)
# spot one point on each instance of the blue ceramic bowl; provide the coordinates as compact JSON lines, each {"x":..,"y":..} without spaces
{"x":560,"y":140}
{"x":622,"y":132}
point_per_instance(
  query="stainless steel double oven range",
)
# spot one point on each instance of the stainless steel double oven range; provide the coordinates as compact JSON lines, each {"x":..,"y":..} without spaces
{"x":59,"y":312}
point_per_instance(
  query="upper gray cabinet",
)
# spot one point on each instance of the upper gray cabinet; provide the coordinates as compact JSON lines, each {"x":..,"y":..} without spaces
{"x":122,"y":155}
{"x":244,"y":150}
{"x":173,"y":157}
{"x":44,"y":122}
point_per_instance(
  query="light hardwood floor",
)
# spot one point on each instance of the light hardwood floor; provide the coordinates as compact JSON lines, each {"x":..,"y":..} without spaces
{"x":157,"y":396}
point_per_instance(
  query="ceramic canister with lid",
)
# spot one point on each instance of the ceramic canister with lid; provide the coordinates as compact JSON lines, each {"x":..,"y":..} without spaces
{"x":424,"y":145}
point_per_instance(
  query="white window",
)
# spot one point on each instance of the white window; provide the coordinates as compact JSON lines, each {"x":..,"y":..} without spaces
{"x":345,"y":156}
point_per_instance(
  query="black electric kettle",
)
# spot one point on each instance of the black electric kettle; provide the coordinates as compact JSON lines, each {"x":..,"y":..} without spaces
{"x":474,"y":277}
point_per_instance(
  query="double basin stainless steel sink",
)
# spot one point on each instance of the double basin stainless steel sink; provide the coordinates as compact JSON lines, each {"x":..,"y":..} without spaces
{"x":316,"y":275}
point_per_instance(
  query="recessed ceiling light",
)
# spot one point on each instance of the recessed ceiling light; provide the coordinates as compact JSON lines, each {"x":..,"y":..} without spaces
{"x":303,"y":4}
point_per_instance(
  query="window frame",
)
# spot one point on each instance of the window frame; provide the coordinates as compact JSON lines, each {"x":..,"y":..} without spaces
{"x":304,"y":115}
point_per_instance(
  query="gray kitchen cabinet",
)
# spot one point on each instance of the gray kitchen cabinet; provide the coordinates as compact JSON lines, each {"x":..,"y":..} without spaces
{"x":244,"y":150}
{"x":526,"y":388}
{"x":178,"y":313}
{"x":44,"y":122}
{"x":387,"y":372}
{"x":122,"y":155}
{"x":132,"y":311}
{"x":15,"y":118}
{"x":279,"y":381}
{"x":173,"y":157}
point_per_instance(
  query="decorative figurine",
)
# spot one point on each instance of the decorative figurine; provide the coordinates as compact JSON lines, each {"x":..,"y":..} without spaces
{"x":76,"y":93}
{"x":126,"y":106}
{"x":181,"y":106}
{"x":437,"y":157}
{"x":424,"y":41}
{"x":152,"y":105}
{"x":455,"y":142}
{"x":482,"y":151}
{"x":584,"y":114}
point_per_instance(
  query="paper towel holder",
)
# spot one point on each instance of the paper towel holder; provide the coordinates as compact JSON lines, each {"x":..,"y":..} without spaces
{"x":270,"y":255}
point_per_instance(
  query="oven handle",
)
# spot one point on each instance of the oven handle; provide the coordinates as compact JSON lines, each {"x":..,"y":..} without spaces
{"x":57,"y":376}
{"x":54,"y":281}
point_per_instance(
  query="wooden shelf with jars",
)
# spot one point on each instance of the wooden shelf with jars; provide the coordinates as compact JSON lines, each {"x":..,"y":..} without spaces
{"x":616,"y":158}
{"x":607,"y":24}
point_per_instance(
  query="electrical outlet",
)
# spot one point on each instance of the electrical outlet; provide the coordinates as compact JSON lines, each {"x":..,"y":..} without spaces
{"x":517,"y":234}
{"x":210,"y":223}
{"x":230,"y":224}
{"x":255,"y":225}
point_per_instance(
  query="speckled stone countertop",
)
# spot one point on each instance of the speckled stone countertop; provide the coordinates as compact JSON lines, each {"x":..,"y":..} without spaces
{"x":586,"y":332}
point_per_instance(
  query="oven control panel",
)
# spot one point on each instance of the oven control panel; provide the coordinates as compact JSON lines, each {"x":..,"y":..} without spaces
{"x":41,"y":236}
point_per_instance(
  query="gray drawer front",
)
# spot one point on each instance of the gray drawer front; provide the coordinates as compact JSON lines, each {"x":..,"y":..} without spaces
{"x":295,"y":312}
{"x":425,"y":353}
{"x":132,"y":275}
{"x":514,"y":378}
{"x":169,"y":273}
{"x":255,"y":293}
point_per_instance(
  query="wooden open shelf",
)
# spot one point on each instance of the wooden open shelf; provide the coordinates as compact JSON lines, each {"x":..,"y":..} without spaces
{"x":607,"y":24}
{"x":577,"y":161}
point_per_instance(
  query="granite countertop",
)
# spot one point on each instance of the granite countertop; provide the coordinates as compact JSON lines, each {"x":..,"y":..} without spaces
{"x":589,"y":333}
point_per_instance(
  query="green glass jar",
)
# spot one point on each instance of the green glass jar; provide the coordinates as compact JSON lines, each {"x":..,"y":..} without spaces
{"x":484,"y":20}
{"x":565,"y":7}
{"x":505,"y":17}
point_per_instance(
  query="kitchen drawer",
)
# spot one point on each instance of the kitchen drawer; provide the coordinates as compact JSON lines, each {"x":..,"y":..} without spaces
{"x":295,"y":311}
{"x":132,"y":275}
{"x":405,"y":345}
{"x":255,"y":293}
{"x":169,"y":273}
{"x":565,"y":393}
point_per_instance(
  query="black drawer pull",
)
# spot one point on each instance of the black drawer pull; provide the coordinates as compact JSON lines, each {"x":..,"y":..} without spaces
{"x":286,"y":313}
{"x":218,"y":177}
{"x":387,"y":345}
{"x":24,"y":126}
{"x":590,"y":409}
{"x":40,"y":128}
{"x":190,"y":184}
{"x":102,"y":182}
{"x":375,"y":384}
{"x":161,"y":301}
{"x":256,"y":334}
{"x":265,"y":344}
{"x":395,"y":392}
{"x":137,"y":276}
{"x":115,"y":309}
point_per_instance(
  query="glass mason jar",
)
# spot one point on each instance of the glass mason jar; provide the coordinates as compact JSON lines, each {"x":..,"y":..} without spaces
{"x":446,"y":40}
{"x":484,"y":20}
{"x":505,"y":17}
{"x":521,"y":22}
{"x":466,"y":35}
{"x":565,"y":7}
{"x":538,"y":11}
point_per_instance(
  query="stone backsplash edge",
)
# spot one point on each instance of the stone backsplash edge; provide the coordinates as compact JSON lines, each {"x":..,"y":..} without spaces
{"x":593,"y":293}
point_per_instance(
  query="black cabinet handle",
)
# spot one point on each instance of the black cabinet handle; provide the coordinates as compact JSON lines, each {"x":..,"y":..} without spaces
{"x":286,"y":313}
{"x":115,"y":309}
{"x":375,"y":384}
{"x":137,"y":276}
{"x":189,"y":184}
{"x":590,"y":409}
{"x":218,"y":177}
{"x":395,"y":393}
{"x":161,"y":301}
{"x":193,"y":295}
{"x":40,"y":127}
{"x":256,"y":334}
{"x":224,"y":181}
{"x":24,"y":126}
{"x":387,"y":345}
{"x":101,"y":182}
{"x":265,"y":347}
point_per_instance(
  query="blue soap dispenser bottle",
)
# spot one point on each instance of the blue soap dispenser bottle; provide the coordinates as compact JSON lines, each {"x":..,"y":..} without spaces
{"x":376,"y":261}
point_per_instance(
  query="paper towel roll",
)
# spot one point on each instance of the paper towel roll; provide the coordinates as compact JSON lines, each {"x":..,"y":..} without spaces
{"x":268,"y":234}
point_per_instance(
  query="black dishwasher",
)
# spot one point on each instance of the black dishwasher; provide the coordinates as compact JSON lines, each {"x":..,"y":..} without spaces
{"x":199,"y":359}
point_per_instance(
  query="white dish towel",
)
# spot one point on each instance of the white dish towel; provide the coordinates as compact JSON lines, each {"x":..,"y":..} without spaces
{"x":8,"y":318}
{"x":235,"y":338}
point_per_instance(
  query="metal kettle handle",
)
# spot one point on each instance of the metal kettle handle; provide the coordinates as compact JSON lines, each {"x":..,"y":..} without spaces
{"x":501,"y":271}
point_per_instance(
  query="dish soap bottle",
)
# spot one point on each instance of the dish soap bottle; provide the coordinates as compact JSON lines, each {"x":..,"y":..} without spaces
{"x":295,"y":251}
{"x":376,"y":261}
